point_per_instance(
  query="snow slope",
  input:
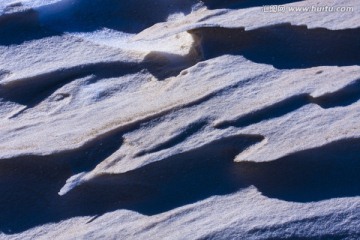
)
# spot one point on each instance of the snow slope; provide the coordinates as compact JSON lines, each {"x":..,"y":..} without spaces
{"x":179,"y":120}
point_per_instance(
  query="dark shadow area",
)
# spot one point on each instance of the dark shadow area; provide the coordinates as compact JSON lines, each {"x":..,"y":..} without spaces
{"x":311,"y":175}
{"x":17,"y":28}
{"x":181,"y":137}
{"x":4,"y":74}
{"x":126,"y":16}
{"x":283,"y":46}
{"x":29,"y":185}
{"x":163,"y":65}
{"x":274,"y":111}
{"x":87,"y":16}
{"x":172,"y":182}
{"x":33,"y":90}
{"x":237,"y":4}
{"x":340,"y":98}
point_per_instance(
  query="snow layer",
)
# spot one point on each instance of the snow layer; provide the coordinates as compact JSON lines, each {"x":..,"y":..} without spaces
{"x":178,"y":120}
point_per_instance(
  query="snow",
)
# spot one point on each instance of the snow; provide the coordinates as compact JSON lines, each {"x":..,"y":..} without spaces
{"x":181,"y":120}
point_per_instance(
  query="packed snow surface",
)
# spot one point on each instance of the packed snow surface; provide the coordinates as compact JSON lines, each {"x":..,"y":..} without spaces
{"x":179,"y":119}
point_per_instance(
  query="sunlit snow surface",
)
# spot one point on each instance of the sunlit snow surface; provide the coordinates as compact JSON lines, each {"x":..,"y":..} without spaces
{"x":179,"y":119}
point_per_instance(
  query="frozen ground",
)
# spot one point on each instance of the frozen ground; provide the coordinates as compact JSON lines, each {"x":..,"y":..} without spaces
{"x":179,"y":119}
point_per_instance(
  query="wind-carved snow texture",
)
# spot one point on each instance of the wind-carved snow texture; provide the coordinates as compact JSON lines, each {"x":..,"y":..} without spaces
{"x":284,"y":46}
{"x":150,"y":119}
